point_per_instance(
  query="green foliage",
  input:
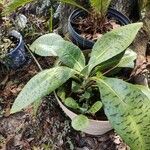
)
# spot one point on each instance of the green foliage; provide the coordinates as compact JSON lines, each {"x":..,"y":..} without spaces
{"x":70,"y":102}
{"x":128,"y":59}
{"x":123,"y":60}
{"x":114,"y":42}
{"x":51,"y":20}
{"x":74,"y":3}
{"x":61,"y":93}
{"x":86,"y":95}
{"x":128,"y":110}
{"x":100,"y":6}
{"x":80,"y":122}
{"x":95,"y":107}
{"x":45,"y":45}
{"x":54,"y":45}
{"x":127,"y":106}
{"x":144,"y":89}
{"x":75,"y":87}
{"x":1,"y":1}
{"x":14,"y":4}
{"x":144,"y":4}
{"x":40,"y":85}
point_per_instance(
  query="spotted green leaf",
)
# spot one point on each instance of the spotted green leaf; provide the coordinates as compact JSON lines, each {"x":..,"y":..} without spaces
{"x":128,"y":59}
{"x":46,"y":44}
{"x":112,"y":44}
{"x":71,"y":55}
{"x":80,"y":122}
{"x":75,"y":87}
{"x":128,"y":109}
{"x":70,"y":102}
{"x":61,"y":93}
{"x":144,"y":89}
{"x":95,"y":107}
{"x":53,"y":45}
{"x":113,"y":65}
{"x":40,"y":85}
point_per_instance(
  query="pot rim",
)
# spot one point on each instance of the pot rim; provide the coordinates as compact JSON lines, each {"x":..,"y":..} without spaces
{"x":70,"y":24}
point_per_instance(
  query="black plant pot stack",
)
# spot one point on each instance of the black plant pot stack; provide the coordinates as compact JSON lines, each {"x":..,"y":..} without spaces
{"x":88,"y":44}
{"x":17,"y":56}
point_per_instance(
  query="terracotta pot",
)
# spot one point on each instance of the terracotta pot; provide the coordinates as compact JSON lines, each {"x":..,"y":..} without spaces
{"x":96,"y":127}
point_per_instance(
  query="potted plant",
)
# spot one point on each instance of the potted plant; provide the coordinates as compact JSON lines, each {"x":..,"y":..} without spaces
{"x":126,"y":106}
{"x":12,"y":50}
{"x":86,"y":25}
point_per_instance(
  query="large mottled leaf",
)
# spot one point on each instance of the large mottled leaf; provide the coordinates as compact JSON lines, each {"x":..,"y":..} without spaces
{"x":112,"y":44}
{"x":53,"y":45}
{"x":71,"y":55}
{"x":113,"y":65}
{"x":144,"y":89}
{"x":107,"y":65}
{"x":46,"y":44}
{"x":100,"y":6}
{"x":40,"y":85}
{"x":14,"y":4}
{"x":128,"y":109}
{"x":80,"y":122}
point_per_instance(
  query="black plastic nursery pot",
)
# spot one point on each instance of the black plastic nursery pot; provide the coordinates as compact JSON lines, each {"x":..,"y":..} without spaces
{"x":83,"y":43}
{"x":16,"y":57}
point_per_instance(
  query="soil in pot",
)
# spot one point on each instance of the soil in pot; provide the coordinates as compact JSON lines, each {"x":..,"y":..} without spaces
{"x":12,"y":50}
{"x":93,"y":28}
{"x":7,"y":44}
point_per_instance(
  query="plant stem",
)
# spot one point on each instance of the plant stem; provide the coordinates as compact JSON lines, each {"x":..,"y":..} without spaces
{"x":51,"y":20}
{"x":110,"y":70}
{"x":36,"y":61}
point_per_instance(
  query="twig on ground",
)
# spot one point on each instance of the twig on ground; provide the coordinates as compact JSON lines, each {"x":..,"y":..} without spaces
{"x":36,"y":61}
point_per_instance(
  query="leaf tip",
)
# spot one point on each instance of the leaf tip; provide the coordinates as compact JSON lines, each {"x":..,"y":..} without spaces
{"x":13,"y":111}
{"x":15,"y":108}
